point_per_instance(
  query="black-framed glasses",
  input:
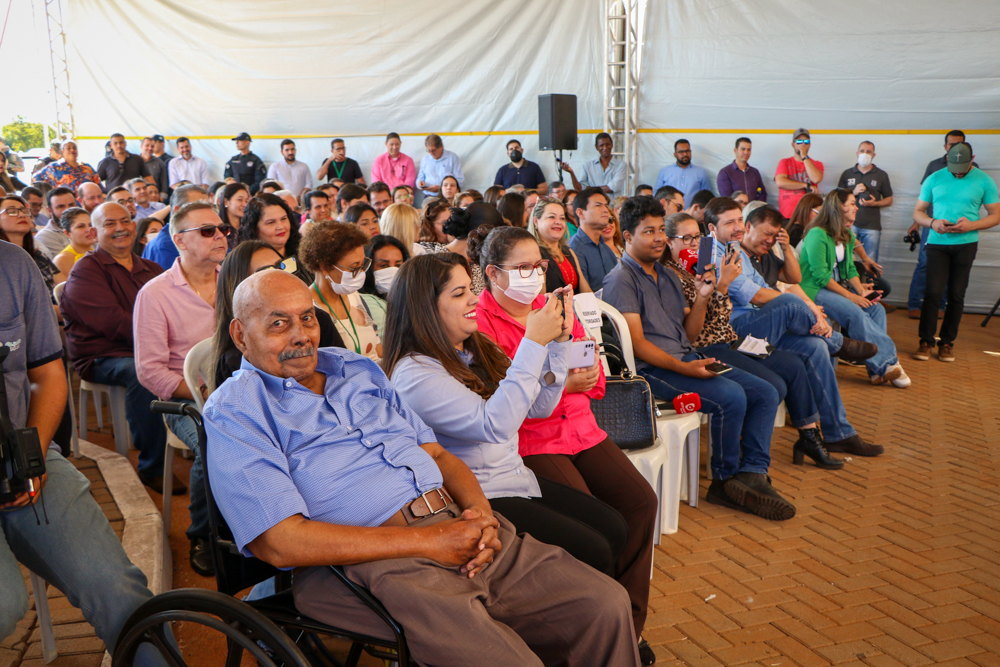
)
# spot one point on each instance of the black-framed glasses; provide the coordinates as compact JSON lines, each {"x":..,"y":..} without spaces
{"x":802,"y":141}
{"x":130,"y":200}
{"x":688,"y":238}
{"x":15,"y":211}
{"x":288,"y":265}
{"x":354,"y":272}
{"x":526,"y":270}
{"x":208,"y":231}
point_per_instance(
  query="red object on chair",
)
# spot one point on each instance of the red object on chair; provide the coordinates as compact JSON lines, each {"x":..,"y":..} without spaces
{"x":686,"y":403}
{"x":688,"y":259}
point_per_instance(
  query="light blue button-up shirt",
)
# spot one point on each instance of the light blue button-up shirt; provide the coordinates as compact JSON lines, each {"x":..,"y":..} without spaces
{"x":350,"y":456}
{"x":690,"y":180}
{"x":594,"y":175}
{"x":483,"y":433}
{"x":745,"y":286}
{"x":433,"y":171}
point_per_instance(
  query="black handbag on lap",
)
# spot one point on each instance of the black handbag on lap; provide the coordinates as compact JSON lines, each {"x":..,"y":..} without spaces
{"x":626,"y":412}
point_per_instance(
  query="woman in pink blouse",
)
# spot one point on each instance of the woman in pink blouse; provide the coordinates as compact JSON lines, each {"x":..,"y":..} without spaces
{"x":392,"y":167}
{"x":568,"y":447}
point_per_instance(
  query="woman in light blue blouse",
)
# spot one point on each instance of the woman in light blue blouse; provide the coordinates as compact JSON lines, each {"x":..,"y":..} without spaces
{"x":475,"y":399}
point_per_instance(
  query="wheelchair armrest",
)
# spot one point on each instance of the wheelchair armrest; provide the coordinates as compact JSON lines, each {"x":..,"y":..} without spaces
{"x":365,"y":596}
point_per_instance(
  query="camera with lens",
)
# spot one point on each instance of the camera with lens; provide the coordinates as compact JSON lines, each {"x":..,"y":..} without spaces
{"x":21,"y":457}
{"x":913,"y":238}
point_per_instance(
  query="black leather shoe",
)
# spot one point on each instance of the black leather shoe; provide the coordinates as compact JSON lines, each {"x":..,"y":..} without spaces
{"x":156,"y":484}
{"x":856,"y":350}
{"x":717,"y":496}
{"x":855,"y":445}
{"x":753,"y":491}
{"x":201,"y":557}
{"x":646,"y":655}
{"x":810,"y":443}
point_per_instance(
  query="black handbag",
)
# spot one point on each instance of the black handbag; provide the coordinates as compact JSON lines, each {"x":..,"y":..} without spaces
{"x":626,"y":413}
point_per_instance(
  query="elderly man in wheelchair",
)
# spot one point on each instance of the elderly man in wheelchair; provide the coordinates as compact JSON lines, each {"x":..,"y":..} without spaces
{"x":314,"y":462}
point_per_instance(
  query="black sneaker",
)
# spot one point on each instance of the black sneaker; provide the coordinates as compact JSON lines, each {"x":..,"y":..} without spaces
{"x":753,"y":490}
{"x":717,"y":496}
{"x":201,"y":557}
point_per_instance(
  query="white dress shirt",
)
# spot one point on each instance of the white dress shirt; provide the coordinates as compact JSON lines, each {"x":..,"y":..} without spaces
{"x":194,"y":171}
{"x":295,"y":176}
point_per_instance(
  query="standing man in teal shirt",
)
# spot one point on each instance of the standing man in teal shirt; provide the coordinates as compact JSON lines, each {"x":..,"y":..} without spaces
{"x":957,"y":194}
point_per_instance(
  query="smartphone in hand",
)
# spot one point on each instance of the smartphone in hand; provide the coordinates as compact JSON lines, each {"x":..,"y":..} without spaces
{"x":705,"y":247}
{"x":717,"y":368}
{"x":873,"y":296}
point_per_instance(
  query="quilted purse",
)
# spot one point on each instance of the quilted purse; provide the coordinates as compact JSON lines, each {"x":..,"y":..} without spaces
{"x":626,"y":412}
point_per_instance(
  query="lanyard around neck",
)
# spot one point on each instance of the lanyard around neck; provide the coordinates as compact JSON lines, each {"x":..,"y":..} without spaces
{"x":339,"y":172}
{"x":355,"y":338}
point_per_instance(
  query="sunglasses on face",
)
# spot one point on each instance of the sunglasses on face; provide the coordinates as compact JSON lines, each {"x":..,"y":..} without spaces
{"x":802,"y":141}
{"x":208,"y":231}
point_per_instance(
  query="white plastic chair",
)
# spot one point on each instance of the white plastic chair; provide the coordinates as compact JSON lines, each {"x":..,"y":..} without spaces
{"x":197,"y":364}
{"x":662,"y":469}
{"x":39,"y":590}
{"x":74,"y":435}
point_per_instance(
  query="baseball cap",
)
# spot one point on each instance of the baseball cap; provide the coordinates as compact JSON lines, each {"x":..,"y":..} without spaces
{"x":159,"y":137}
{"x":959,"y":158}
{"x":799,"y":132}
{"x":242,"y":136}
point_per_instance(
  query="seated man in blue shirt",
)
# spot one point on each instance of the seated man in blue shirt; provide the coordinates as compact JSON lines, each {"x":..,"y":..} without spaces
{"x":763,"y":230}
{"x":763,"y":312}
{"x":315,"y":461}
{"x":743,"y":406}
{"x":162,"y":249}
{"x":595,"y":255}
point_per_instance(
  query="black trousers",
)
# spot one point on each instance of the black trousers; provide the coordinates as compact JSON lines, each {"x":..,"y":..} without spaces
{"x":948,"y":266}
{"x":590,"y":530}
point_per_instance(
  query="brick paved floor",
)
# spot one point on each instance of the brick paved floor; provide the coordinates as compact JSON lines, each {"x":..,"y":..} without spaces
{"x":891,"y":561}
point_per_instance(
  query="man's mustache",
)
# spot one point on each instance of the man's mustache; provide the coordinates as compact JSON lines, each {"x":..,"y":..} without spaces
{"x":297,"y":353}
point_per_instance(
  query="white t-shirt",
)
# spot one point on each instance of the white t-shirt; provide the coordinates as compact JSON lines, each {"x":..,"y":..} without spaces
{"x":840,"y":252}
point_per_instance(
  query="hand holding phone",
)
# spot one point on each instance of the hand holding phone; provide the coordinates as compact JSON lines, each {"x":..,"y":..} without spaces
{"x":874,"y":296}
{"x":717,"y":368}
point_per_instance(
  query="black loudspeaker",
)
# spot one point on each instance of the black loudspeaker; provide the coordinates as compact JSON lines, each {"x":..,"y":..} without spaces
{"x":557,"y":122}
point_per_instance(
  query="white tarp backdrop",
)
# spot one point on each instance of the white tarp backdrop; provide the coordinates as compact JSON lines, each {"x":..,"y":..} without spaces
{"x":898,"y":72}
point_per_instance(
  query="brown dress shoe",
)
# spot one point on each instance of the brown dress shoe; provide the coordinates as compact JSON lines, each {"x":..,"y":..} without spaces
{"x":946,"y":352}
{"x":856,"y":350}
{"x":914,"y":313}
{"x":923,"y":353}
{"x":854,"y":445}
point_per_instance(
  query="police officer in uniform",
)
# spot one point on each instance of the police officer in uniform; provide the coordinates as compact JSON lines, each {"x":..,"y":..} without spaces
{"x":246,"y":167}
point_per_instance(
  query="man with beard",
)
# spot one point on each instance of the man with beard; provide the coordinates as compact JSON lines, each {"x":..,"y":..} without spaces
{"x":683,"y":175}
{"x":90,"y":196}
{"x":156,"y":167}
{"x":188,"y":168}
{"x":294,"y":175}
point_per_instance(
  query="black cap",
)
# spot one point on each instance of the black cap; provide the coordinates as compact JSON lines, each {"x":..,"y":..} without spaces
{"x":159,"y":137}
{"x":242,"y":136}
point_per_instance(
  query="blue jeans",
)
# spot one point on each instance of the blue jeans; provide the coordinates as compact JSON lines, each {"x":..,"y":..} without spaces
{"x":815,"y":354}
{"x":918,"y":284}
{"x":782,"y":370}
{"x":148,"y":434}
{"x":742,"y":406}
{"x":184,"y":428}
{"x":869,"y":240}
{"x":864,"y":324}
{"x":784,"y":315}
{"x":77,"y":552}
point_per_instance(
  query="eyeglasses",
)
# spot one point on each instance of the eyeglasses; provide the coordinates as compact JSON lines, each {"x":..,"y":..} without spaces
{"x":802,"y":141}
{"x":209,"y":231}
{"x":687,"y":239}
{"x":15,"y":212}
{"x":526,"y":270}
{"x":287,"y":265}
{"x":130,"y":200}
{"x":354,"y":272}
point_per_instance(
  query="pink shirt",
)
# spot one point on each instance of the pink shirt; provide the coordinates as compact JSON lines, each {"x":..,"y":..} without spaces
{"x":394,"y":172}
{"x":795,"y":170}
{"x":169,"y":318}
{"x":571,"y":428}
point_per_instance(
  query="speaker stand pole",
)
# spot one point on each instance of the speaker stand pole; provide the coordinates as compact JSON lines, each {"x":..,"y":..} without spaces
{"x":559,"y":161}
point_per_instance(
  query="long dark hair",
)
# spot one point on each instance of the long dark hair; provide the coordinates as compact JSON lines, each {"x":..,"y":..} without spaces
{"x":413,"y":325}
{"x":432,"y":209}
{"x":235,"y":269}
{"x":377,"y":243}
{"x":831,"y":219}
{"x":28,"y":243}
{"x":511,"y":207}
{"x":228,"y":193}
{"x":255,"y":211}
{"x":141,"y":225}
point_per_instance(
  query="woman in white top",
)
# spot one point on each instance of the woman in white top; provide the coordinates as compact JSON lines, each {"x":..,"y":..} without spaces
{"x":335,"y":253}
{"x":464,"y":387}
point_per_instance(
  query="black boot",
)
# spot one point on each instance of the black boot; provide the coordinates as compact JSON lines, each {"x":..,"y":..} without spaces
{"x":810,"y":443}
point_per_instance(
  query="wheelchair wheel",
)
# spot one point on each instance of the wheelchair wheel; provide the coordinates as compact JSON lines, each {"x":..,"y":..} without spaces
{"x":249,"y":636}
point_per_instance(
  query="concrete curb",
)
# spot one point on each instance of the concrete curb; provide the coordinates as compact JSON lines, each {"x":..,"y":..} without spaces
{"x":143,"y":538}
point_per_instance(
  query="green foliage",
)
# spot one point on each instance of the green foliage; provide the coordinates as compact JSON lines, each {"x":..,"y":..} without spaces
{"x":22,"y":135}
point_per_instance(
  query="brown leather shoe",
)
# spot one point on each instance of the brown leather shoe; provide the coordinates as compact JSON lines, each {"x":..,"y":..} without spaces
{"x":923,"y":352}
{"x":856,"y":350}
{"x":946,"y":352}
{"x":854,"y":445}
{"x":914,"y":313}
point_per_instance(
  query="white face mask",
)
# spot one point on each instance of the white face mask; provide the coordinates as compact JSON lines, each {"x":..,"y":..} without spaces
{"x":384,"y":278}
{"x":150,"y":236}
{"x":347,"y":284}
{"x":523,"y":290}
{"x":864,"y":160}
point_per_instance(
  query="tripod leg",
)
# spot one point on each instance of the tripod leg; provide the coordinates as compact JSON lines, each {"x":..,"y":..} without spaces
{"x":992,"y":313}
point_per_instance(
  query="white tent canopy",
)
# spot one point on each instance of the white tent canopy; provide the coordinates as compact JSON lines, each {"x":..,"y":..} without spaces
{"x":899,"y":73}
